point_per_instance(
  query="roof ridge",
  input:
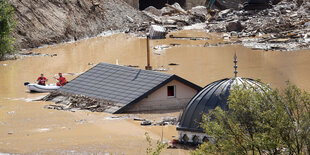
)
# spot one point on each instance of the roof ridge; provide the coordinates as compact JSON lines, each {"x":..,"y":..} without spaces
{"x":124,"y":66}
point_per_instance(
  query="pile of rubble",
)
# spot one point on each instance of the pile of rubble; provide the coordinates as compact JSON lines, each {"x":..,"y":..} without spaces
{"x":286,"y":26}
{"x":174,"y":16}
{"x":64,"y":101}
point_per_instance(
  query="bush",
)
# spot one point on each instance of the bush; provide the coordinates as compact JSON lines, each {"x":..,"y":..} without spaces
{"x":7,"y":26}
{"x":260,"y":121}
{"x":158,"y":148}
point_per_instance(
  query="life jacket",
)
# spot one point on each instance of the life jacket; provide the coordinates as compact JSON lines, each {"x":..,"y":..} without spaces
{"x":41,"y":80}
{"x":61,"y":81}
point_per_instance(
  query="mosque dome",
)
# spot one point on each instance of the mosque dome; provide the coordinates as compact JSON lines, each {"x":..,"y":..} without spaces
{"x":213,"y":95}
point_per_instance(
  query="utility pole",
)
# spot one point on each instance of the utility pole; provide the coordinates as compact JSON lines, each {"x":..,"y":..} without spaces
{"x":148,"y":66}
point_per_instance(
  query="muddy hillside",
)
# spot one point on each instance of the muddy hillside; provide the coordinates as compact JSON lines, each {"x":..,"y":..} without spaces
{"x":43,"y":22}
{"x":282,"y":26}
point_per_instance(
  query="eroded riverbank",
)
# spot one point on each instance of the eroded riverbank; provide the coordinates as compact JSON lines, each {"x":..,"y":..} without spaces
{"x":26,"y":127}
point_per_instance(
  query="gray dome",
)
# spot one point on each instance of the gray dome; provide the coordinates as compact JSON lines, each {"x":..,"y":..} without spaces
{"x":213,"y":95}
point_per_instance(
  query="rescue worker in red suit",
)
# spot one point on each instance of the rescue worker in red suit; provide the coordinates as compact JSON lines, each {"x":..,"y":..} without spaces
{"x":61,"y":80}
{"x":41,"y":80}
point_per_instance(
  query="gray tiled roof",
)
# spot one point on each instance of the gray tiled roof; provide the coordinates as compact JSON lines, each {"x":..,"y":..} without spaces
{"x":120,"y":84}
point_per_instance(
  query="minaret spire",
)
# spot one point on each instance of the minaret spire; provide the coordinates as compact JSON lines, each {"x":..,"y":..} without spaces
{"x":236,"y":66}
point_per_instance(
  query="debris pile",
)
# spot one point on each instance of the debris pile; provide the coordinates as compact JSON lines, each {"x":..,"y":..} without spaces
{"x":64,"y":101}
{"x":174,"y":16}
{"x":283,"y":27}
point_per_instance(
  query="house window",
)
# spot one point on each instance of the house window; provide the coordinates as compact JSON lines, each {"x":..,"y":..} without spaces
{"x":171,"y":91}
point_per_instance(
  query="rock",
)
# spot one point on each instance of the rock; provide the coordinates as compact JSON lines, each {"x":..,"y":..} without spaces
{"x":234,"y":26}
{"x":223,"y":13}
{"x":130,"y":19}
{"x":307,"y":24}
{"x":167,"y":11}
{"x":153,"y":10}
{"x":226,"y":36}
{"x":199,"y":11}
{"x":173,"y":9}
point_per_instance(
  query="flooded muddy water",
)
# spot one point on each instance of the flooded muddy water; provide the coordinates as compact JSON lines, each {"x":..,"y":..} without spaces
{"x":26,"y":127}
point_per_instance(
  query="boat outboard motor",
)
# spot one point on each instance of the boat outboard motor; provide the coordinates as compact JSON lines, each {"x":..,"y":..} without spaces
{"x":26,"y":83}
{"x":257,"y":4}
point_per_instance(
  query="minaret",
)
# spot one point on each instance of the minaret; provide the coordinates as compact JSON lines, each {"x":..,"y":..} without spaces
{"x":236,"y":66}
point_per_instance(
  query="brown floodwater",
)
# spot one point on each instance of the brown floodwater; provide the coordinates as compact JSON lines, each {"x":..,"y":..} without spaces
{"x":26,"y":127}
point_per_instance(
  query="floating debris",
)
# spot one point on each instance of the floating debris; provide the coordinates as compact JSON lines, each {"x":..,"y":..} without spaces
{"x":43,"y":129}
{"x":115,"y":118}
{"x":146,"y":123}
{"x":133,"y":66}
{"x":174,"y":44}
{"x":161,"y":69}
{"x":167,"y":121}
{"x":11,"y":112}
{"x":139,"y":119}
{"x":190,"y":38}
{"x":173,"y":64}
{"x":160,"y":49}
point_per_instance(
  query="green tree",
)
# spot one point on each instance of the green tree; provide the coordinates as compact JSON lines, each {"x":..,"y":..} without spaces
{"x":159,"y":146}
{"x":260,"y":120}
{"x":7,"y":26}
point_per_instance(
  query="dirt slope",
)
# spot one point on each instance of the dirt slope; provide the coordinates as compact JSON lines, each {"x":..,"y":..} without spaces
{"x":53,"y":21}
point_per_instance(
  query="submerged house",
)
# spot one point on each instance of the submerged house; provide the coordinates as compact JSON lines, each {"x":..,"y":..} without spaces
{"x":128,"y":89}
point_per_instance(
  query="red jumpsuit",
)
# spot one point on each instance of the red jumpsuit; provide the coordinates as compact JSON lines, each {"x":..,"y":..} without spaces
{"x":41,"y":80}
{"x":61,"y":81}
